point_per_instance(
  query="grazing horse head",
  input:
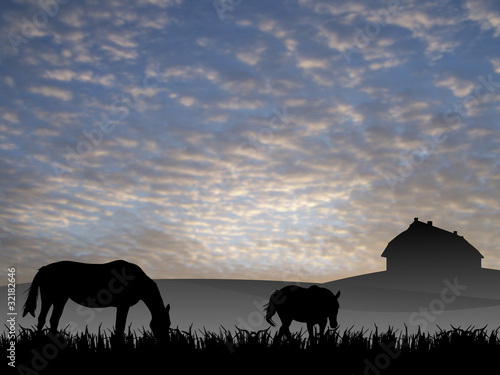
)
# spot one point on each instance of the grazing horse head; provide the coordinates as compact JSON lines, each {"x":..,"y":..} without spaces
{"x":160,"y":324}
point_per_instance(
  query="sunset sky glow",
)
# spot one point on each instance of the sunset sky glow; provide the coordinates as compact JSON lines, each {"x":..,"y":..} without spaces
{"x":283,"y":140}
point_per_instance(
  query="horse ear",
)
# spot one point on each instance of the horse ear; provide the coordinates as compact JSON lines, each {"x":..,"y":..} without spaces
{"x":167,"y":308}
{"x":337,"y":295}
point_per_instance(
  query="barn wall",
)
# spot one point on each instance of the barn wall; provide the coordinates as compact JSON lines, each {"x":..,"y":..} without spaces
{"x":413,"y":264}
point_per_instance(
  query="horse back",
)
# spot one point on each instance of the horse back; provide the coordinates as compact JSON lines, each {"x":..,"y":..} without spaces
{"x":82,"y":282}
{"x":67,"y":270}
{"x":302,"y":301}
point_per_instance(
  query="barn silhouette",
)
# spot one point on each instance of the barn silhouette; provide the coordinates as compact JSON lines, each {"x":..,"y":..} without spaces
{"x":420,"y":262}
{"x":426,"y":248}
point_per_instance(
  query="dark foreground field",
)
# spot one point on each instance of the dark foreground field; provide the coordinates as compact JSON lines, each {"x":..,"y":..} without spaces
{"x":364,"y":352}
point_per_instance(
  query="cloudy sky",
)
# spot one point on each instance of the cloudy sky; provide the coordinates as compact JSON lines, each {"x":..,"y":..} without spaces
{"x":285,"y":140}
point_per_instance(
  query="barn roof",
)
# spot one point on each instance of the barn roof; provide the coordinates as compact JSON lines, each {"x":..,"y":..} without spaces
{"x":426,"y":239}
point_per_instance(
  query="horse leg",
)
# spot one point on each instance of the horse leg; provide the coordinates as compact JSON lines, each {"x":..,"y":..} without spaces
{"x":285,"y":328}
{"x":310,"y":329}
{"x":56,"y":314}
{"x":121,"y":320}
{"x":43,"y":313}
{"x":284,"y":331}
{"x":322,"y":326}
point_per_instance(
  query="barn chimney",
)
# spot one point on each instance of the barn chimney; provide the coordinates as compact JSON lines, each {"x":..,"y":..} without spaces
{"x":455,"y":233}
{"x":415,"y":219}
{"x":429,"y":223}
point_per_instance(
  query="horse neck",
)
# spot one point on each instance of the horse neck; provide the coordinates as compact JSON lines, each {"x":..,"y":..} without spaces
{"x":152,"y":298}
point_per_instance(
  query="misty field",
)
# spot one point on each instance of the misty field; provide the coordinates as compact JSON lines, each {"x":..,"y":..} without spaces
{"x":342,"y":352}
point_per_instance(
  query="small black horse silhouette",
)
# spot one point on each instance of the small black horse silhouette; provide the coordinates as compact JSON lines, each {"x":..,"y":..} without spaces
{"x":311,"y":305}
{"x":119,"y":284}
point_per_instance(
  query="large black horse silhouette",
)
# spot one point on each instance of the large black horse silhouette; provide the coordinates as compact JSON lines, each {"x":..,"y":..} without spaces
{"x":119,"y":284}
{"x":313,"y":305}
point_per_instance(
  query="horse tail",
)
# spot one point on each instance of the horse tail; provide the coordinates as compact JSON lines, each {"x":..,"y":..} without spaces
{"x":30,"y":304}
{"x":270,"y":310}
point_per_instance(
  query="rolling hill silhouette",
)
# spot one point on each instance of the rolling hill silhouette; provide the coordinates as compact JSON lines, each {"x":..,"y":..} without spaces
{"x":429,"y":271}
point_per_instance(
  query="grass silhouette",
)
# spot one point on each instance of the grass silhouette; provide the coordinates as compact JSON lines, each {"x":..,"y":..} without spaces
{"x":347,"y":352}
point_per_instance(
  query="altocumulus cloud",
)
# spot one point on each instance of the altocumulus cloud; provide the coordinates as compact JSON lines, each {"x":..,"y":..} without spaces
{"x":246,"y":146}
